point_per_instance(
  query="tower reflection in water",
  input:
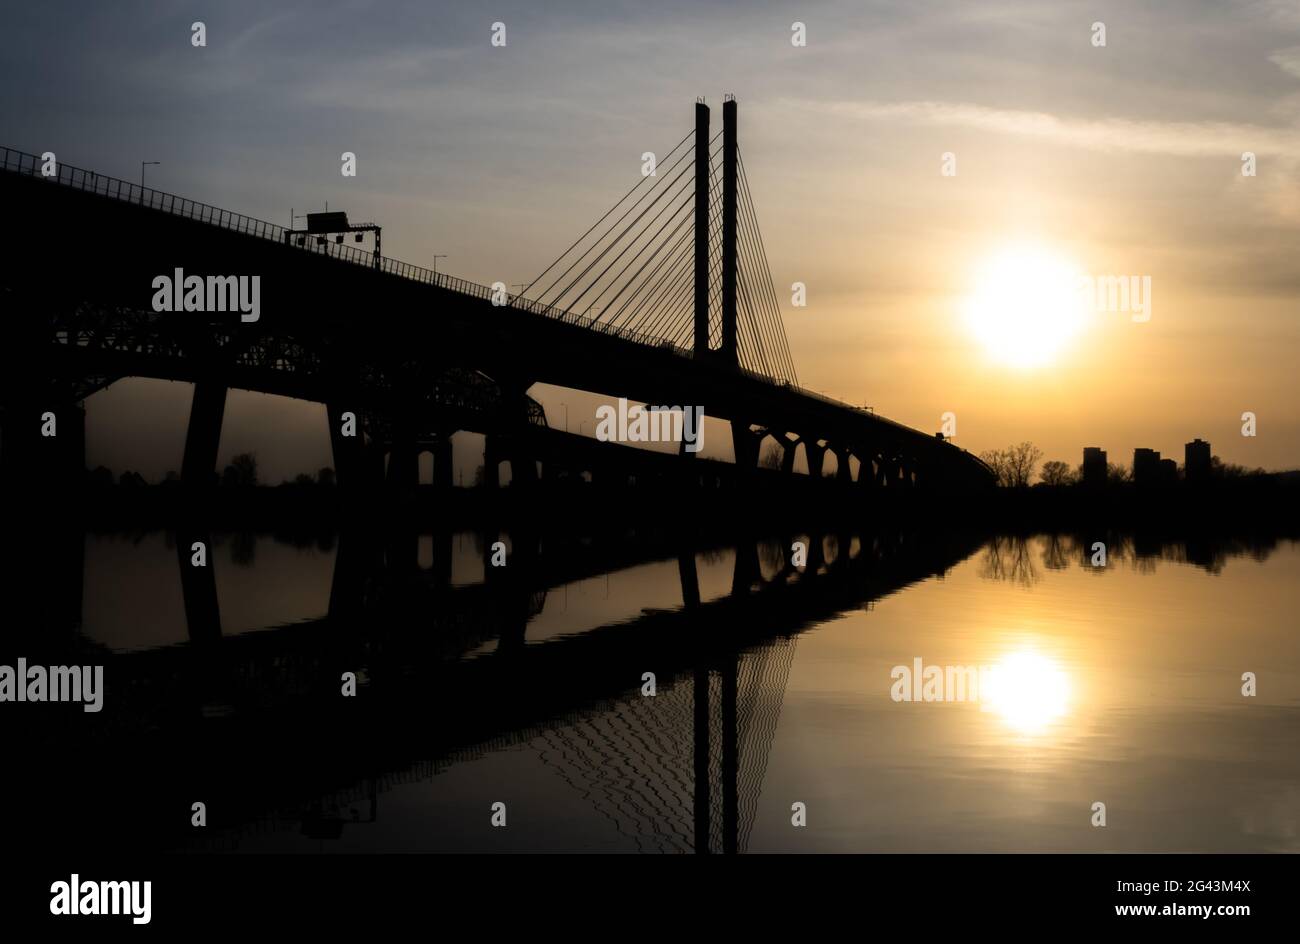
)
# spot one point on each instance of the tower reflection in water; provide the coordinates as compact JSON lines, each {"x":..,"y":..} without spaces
{"x":252,"y":720}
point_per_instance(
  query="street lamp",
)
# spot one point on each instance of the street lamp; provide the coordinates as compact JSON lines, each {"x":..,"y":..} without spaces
{"x":566,"y":416}
{"x":435,"y":263}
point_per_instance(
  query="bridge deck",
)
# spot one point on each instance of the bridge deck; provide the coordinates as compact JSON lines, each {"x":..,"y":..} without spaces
{"x":334,"y":298}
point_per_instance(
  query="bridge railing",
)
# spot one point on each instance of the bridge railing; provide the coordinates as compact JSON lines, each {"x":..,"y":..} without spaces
{"x":115,"y":188}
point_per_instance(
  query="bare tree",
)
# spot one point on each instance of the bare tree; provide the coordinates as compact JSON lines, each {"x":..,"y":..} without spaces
{"x":1013,"y":466}
{"x":1057,"y":473}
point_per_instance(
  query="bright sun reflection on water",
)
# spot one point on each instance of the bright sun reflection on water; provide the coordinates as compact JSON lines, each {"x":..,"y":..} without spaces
{"x":1028,"y":691}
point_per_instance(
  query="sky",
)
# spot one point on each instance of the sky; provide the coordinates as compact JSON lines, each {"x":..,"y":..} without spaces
{"x":1117,"y":159}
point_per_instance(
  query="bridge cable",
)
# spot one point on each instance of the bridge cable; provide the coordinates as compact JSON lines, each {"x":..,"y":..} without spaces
{"x":676,"y":270}
{"x":603,"y":217}
{"x":681,"y":306}
{"x":603,"y":248}
{"x":750,"y":281}
{"x":682,"y":219}
{"x":655,"y":281}
{"x":772,"y":307}
{"x":754,"y":301}
{"x":617,"y":240}
{"x":665,"y":192}
{"x":600,"y":239}
{"x":654,"y":297}
{"x":785,"y":342}
{"x":683,"y":291}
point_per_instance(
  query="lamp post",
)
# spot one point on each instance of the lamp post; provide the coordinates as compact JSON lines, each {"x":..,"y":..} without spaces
{"x":566,"y":416}
{"x":435,"y":264}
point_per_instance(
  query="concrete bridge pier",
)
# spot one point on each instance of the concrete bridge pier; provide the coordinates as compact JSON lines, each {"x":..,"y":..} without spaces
{"x":789,"y":448}
{"x":444,"y":541}
{"x":523,"y":466}
{"x":403,"y":456}
{"x":25,"y":389}
{"x":349,"y":452}
{"x":495,"y":451}
{"x":690,"y":578}
{"x":443,"y":472}
{"x":843,"y":470}
{"x":402,"y":550}
{"x":511,"y":584}
{"x":747,"y":571}
{"x":209,"y":684}
{"x":203,"y":435}
{"x":745,"y":444}
{"x":843,"y":543}
{"x":904,"y":466}
{"x":868,"y":474}
{"x":508,"y":447}
{"x":354,"y":561}
{"x":816,"y":553}
{"x":889,"y":471}
{"x":35,"y":461}
{"x":815,"y":452}
{"x":198,"y":584}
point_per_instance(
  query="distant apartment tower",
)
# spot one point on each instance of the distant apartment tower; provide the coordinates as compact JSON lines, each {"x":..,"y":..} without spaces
{"x":1196,"y":461}
{"x":1168,"y":472}
{"x":1094,"y":466}
{"x":1146,"y":466}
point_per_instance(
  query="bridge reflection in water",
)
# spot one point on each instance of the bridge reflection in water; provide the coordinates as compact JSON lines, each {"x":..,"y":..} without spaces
{"x":254,"y":722}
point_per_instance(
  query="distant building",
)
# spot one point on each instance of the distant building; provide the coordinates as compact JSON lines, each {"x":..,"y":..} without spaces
{"x":1196,"y":461}
{"x":1168,"y":472}
{"x":1094,"y":466}
{"x":1146,"y":466}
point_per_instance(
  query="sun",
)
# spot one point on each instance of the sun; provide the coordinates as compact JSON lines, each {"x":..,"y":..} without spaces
{"x":1026,"y":306}
{"x":1029,"y":691}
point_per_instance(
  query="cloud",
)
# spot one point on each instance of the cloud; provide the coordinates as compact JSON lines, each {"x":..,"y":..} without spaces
{"x":1176,"y":138}
{"x":1288,"y":60}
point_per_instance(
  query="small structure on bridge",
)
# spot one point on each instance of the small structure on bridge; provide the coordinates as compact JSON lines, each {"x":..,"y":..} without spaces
{"x":324,"y":225}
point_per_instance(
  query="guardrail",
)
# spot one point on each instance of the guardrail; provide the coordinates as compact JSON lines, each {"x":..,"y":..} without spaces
{"x":80,"y":179}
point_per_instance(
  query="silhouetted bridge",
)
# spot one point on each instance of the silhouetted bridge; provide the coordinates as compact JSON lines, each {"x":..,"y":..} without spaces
{"x":667,"y":300}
